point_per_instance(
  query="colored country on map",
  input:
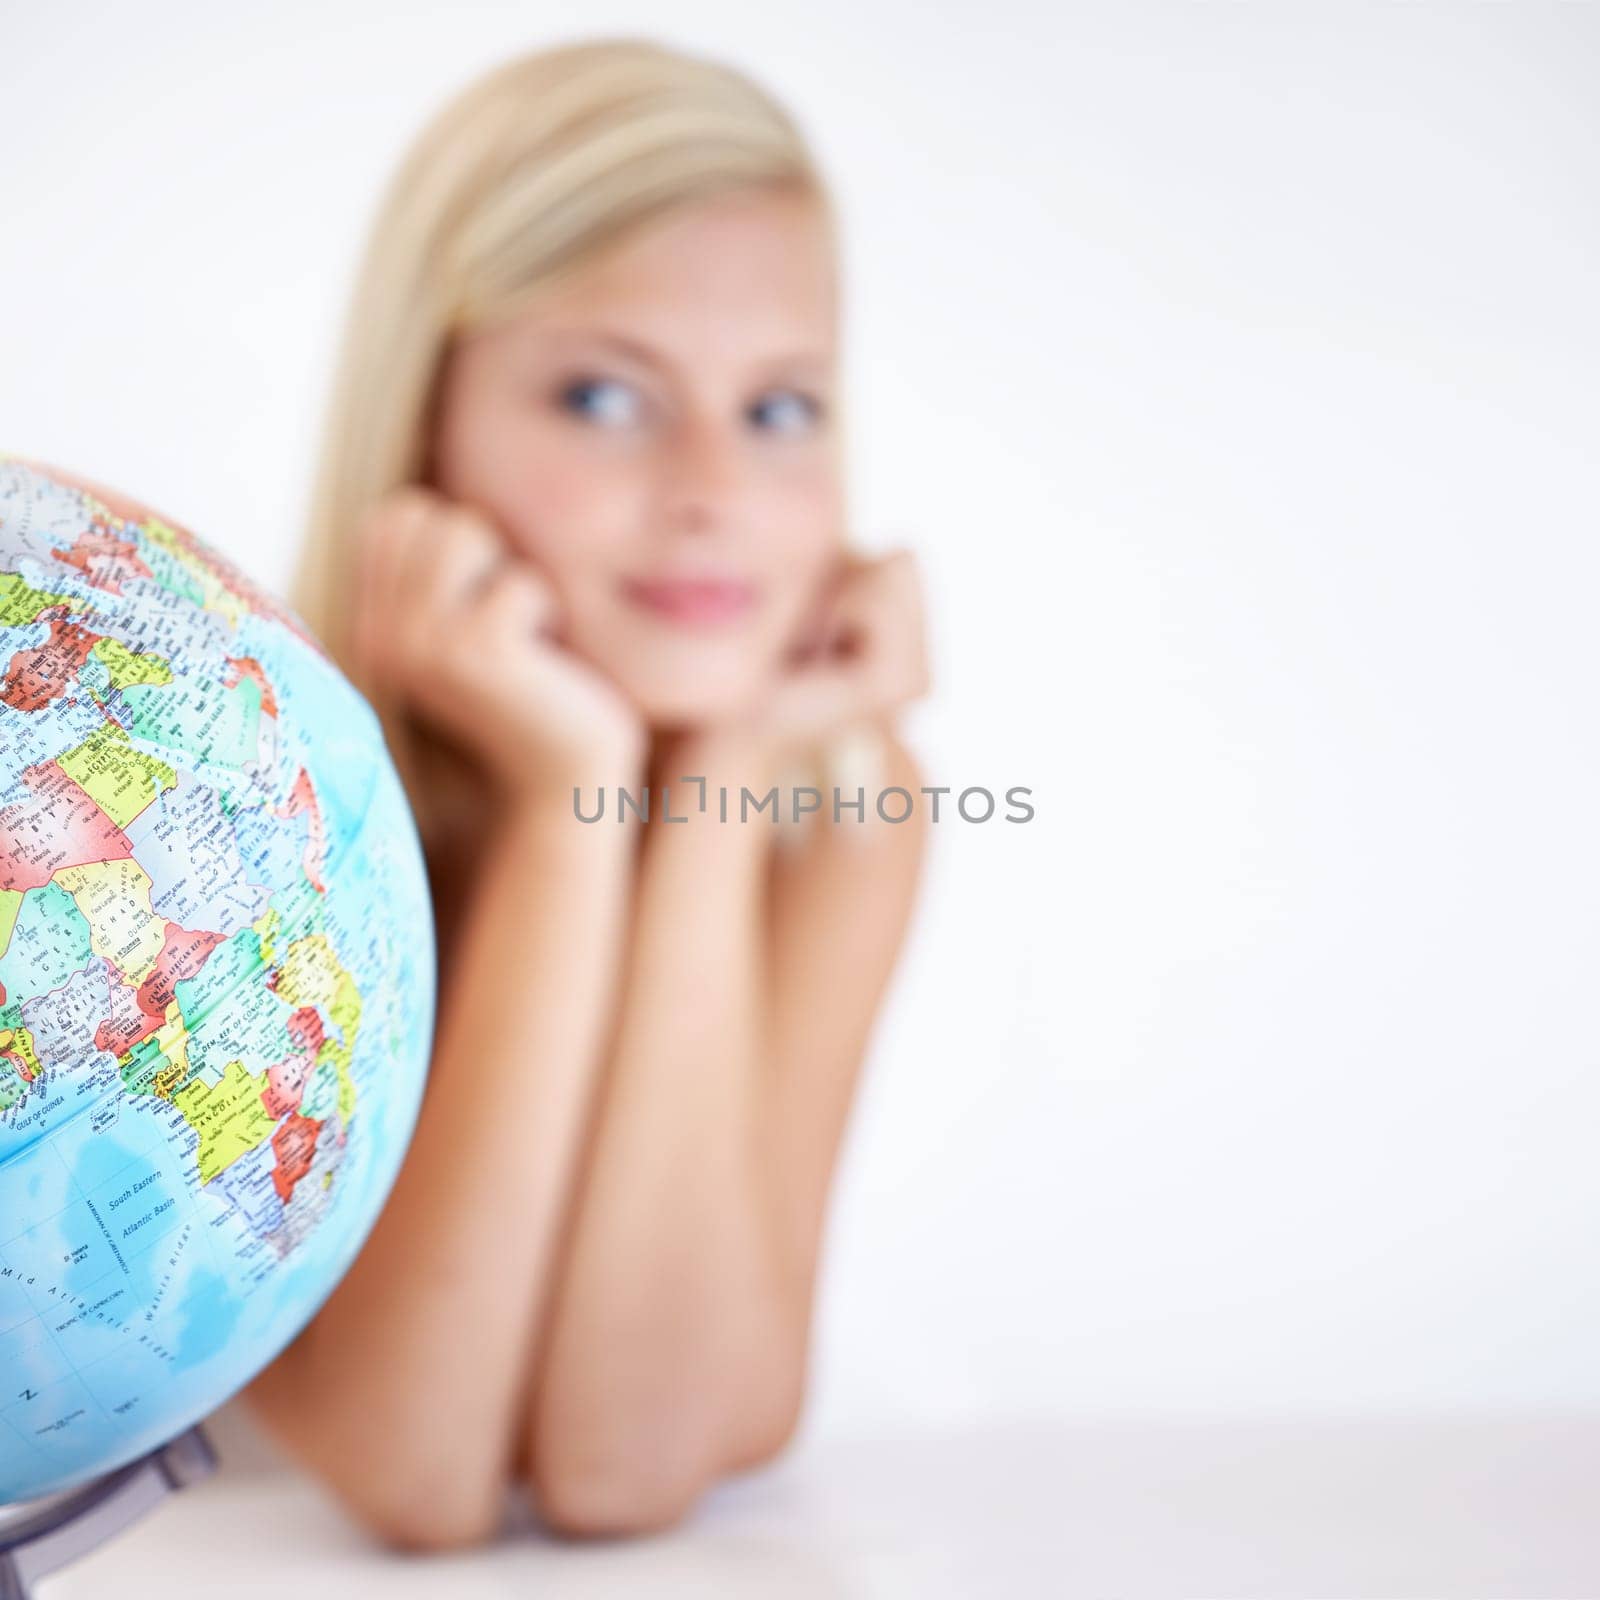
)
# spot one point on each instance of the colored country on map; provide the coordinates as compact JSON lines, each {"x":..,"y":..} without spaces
{"x":57,"y":826}
{"x":20,"y":602}
{"x":122,"y":781}
{"x":206,"y":722}
{"x":125,"y":667}
{"x":229,"y":1117}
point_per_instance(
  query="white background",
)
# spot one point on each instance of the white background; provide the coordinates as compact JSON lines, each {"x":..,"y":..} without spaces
{"x":1234,"y":369}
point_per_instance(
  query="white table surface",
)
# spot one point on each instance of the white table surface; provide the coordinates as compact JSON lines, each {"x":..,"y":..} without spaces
{"x":1479,"y":1508}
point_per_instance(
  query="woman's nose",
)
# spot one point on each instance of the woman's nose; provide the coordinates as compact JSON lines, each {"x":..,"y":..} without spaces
{"x":704,"y":475}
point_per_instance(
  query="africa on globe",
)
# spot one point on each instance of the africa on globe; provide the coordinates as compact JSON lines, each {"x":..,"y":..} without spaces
{"x":217,"y":980}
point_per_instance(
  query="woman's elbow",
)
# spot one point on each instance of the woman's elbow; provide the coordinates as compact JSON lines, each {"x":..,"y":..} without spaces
{"x":638,"y":1490}
{"x":416,"y":1507}
{"x":614,"y":1505}
{"x":423,"y":1523}
{"x":407,"y":1499}
{"x":770,"y":1429}
{"x":584,"y":1491}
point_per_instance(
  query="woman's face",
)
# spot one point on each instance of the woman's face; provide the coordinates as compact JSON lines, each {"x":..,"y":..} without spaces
{"x":656,"y":437}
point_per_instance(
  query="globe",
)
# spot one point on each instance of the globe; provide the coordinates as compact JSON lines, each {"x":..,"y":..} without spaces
{"x":217,"y":980}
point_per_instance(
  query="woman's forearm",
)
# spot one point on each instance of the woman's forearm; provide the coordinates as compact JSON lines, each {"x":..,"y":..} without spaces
{"x":674,"y":1321}
{"x":406,"y":1390}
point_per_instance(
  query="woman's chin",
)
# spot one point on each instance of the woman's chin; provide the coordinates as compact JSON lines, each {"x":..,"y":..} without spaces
{"x":676,"y":709}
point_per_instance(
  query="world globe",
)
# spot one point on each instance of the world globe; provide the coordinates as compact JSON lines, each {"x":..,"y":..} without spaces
{"x":217,"y":980}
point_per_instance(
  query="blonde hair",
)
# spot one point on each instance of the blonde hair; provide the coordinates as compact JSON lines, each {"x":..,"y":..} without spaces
{"x":523,"y":178}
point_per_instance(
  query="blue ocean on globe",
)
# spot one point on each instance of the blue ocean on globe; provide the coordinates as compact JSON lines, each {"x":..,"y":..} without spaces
{"x":217,"y":981}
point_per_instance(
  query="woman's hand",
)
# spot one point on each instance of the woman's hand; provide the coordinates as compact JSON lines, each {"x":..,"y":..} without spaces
{"x":863,"y":657}
{"x":460,"y":626}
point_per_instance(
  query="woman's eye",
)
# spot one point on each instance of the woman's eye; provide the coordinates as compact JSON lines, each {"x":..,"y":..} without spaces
{"x":785,"y":411}
{"x":604,"y":400}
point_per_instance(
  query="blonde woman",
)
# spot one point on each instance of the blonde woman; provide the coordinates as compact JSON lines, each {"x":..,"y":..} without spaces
{"x":580,"y":526}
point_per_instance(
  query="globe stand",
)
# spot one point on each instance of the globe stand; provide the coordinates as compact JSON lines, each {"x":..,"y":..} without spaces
{"x":52,"y":1533}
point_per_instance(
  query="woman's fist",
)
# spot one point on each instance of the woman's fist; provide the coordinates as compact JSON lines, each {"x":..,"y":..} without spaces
{"x":453,"y":621}
{"x":864,"y":655}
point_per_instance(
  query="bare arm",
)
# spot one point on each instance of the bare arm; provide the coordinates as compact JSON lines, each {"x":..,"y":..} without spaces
{"x":841,"y":920}
{"x":402,"y":1392}
{"x":677,"y":1345}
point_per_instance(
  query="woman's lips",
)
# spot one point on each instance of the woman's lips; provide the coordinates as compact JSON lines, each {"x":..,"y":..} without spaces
{"x":693,"y":601}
